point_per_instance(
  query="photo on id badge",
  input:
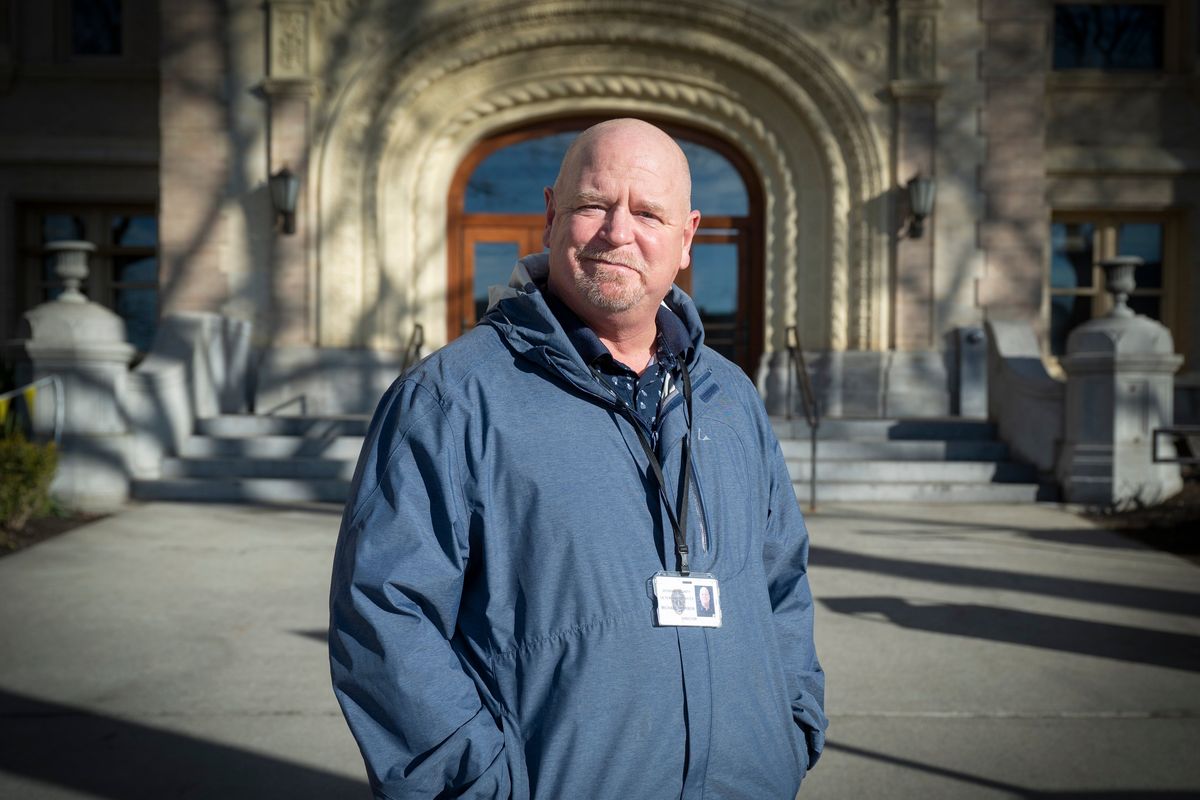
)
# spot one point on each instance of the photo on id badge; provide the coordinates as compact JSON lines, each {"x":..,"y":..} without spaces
{"x":686,"y":600}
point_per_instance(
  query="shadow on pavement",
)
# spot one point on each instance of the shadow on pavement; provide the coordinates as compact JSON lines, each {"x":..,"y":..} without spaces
{"x":921,"y":524}
{"x":1013,"y":789}
{"x":1083,"y":537}
{"x":113,"y":758}
{"x":1120,"y":642}
{"x":1150,"y":599}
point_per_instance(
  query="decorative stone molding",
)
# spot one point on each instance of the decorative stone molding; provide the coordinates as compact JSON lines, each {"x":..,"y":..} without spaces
{"x":916,"y":90}
{"x":288,"y":55}
{"x":1099,"y":160}
{"x":854,"y":30}
{"x":423,"y":95}
{"x":690,"y":104}
{"x":288,"y":87}
{"x":918,"y":47}
{"x":916,"y":40}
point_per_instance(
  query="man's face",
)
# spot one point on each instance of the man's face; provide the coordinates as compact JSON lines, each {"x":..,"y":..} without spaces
{"x":705,"y":597}
{"x":619,"y":226}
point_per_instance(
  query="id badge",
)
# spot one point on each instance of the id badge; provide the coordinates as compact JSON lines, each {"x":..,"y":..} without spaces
{"x":692,"y":600}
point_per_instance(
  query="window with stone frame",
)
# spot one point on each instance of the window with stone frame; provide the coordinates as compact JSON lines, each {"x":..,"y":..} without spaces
{"x":123,"y":272}
{"x":95,"y":28}
{"x":1109,"y":36}
{"x":1079,"y":241}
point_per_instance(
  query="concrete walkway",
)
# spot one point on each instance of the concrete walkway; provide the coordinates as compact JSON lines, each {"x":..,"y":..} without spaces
{"x":177,"y":651}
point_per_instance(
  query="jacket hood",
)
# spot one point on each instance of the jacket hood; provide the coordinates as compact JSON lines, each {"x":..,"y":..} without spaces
{"x":520,"y":314}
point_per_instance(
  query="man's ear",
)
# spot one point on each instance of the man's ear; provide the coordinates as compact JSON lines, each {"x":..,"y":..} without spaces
{"x":548,"y":192}
{"x":689,"y":231}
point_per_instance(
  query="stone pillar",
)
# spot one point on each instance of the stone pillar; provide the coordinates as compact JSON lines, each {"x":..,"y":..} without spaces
{"x":1014,"y":231}
{"x":84,"y":344}
{"x":195,"y":157}
{"x":289,"y":90}
{"x":915,"y":92}
{"x":1120,"y":387}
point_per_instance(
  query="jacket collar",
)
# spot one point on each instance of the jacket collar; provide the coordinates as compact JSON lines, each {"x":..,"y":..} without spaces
{"x":673,"y":340}
{"x":521,"y":313}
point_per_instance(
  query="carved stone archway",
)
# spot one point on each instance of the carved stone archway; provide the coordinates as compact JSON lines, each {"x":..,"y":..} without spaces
{"x":391,"y":140}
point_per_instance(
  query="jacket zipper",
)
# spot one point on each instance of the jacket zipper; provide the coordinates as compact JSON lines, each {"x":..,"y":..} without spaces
{"x":703,"y":515}
{"x":673,"y":400}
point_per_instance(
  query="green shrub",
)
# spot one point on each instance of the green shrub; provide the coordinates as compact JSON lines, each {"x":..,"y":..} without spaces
{"x":26,"y":469}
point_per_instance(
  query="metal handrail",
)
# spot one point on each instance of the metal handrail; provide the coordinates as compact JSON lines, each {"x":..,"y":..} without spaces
{"x":812,"y":414}
{"x":412,"y":352}
{"x":59,"y":408}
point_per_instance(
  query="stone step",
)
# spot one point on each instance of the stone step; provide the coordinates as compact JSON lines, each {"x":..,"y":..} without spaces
{"x":247,"y":425}
{"x":347,"y":448}
{"x":903,"y":492}
{"x":896,"y":450}
{"x":309,"y":491}
{"x":237,"y":490}
{"x":292,"y":468}
{"x":247,"y":458}
{"x":279,"y":490}
{"x":844,"y":429}
{"x":338,"y":447}
{"x":915,"y":471}
{"x":836,"y":471}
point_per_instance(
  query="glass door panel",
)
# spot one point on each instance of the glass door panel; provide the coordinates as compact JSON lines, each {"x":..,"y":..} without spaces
{"x":493,"y":262}
{"x":489,"y":257}
{"x":714,"y":287}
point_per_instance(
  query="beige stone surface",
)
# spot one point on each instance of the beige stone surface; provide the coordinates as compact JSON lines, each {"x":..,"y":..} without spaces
{"x":834,"y":104}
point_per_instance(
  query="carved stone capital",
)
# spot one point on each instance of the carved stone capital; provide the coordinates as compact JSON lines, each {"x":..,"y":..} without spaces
{"x":288,"y":38}
{"x":288,"y":87}
{"x":916,"y":90}
{"x":917,"y":44}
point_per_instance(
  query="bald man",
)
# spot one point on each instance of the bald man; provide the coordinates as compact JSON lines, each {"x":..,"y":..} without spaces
{"x":537,"y":509}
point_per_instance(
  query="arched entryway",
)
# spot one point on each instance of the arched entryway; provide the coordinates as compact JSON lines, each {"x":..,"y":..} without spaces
{"x":496,"y":215}
{"x":394,"y":137}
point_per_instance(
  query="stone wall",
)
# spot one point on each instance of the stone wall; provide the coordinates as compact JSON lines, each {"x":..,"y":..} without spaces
{"x":1013,"y":228}
{"x":216,"y":224}
{"x":72,"y":129}
{"x":836,"y":104}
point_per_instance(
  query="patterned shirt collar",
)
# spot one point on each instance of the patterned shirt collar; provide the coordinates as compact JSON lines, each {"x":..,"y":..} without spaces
{"x":672,"y":342}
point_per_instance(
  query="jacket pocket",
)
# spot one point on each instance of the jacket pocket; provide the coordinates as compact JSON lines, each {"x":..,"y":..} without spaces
{"x":725,"y":481}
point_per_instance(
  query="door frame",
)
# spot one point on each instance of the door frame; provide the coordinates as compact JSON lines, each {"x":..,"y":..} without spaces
{"x":751,"y":266}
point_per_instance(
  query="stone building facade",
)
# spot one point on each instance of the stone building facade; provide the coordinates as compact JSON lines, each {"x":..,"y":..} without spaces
{"x":1050,"y":149}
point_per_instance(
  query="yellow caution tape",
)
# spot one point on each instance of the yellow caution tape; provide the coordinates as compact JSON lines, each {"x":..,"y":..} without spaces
{"x":30,"y":396}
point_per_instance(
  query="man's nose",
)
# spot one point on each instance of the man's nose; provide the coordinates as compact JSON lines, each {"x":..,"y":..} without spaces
{"x":618,"y":226}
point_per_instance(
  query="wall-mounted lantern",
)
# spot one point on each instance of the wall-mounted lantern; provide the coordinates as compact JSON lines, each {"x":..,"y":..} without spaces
{"x":920,"y":202}
{"x":285,"y":189}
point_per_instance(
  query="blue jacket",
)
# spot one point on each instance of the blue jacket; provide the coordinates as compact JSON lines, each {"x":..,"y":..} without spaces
{"x":491,"y":632}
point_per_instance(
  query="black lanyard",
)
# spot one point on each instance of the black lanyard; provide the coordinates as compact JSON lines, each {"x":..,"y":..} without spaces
{"x":678,"y":518}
